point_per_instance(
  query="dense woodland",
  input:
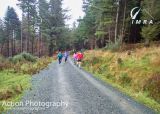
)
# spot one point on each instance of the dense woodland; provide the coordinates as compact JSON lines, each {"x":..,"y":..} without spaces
{"x":108,"y":22}
{"x":42,"y":29}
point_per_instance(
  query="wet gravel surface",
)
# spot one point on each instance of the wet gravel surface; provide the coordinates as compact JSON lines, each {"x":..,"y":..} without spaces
{"x":66,"y":89}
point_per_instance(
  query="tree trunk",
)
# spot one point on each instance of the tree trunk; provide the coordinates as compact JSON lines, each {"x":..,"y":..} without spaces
{"x":123,"y":25}
{"x":95,"y":43}
{"x":22,"y":33}
{"x":32,"y":46}
{"x":41,"y":46}
{"x":28,"y":35}
{"x":2,"y":44}
{"x":11,"y":44}
{"x":109,"y":34}
{"x":135,"y":30}
{"x":116,"y":27}
{"x":28,"y":19}
{"x":8,"y":46}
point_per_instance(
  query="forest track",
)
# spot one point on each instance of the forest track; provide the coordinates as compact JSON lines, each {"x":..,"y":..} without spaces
{"x":78,"y":92}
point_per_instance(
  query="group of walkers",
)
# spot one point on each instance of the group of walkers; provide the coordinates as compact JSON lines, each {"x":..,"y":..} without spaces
{"x":60,"y":56}
{"x":77,"y":57}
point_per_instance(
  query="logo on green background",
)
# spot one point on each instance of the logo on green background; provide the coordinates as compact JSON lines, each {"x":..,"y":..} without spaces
{"x":135,"y":12}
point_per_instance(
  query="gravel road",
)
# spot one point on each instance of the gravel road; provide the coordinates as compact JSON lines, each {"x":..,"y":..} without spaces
{"x":66,"y":89}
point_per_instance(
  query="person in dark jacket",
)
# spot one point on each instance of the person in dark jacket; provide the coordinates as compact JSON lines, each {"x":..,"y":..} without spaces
{"x":59,"y":57}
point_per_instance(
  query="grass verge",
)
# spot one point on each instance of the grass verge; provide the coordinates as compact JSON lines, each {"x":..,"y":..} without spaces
{"x":12,"y":86}
{"x":136,"y":73}
{"x":15,"y":76}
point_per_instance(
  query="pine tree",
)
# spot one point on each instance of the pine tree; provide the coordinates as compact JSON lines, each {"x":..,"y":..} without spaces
{"x":56,"y":24}
{"x":2,"y":35}
{"x":12,"y":25}
{"x":29,"y":10}
{"x":44,"y":24}
{"x":151,"y":11}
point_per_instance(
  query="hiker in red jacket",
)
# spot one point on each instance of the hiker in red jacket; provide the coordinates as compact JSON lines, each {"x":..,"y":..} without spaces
{"x":79,"y":59}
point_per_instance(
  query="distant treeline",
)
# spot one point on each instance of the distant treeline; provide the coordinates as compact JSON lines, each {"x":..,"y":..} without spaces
{"x":107,"y":22}
{"x":41,"y":30}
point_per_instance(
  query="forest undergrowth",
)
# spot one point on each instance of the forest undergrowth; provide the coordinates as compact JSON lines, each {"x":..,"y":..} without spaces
{"x":15,"y":75}
{"x":136,"y":72}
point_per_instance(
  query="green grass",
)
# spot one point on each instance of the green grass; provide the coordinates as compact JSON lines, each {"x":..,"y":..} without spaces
{"x":15,"y":75}
{"x":139,"y":97}
{"x":137,"y":75}
{"x":12,"y":85}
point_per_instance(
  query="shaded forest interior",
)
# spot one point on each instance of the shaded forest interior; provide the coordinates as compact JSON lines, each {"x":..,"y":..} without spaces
{"x":42,"y":29}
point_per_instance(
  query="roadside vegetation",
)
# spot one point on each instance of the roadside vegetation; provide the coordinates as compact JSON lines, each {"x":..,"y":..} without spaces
{"x":15,"y":75}
{"x":106,"y":25}
{"x":136,"y":72}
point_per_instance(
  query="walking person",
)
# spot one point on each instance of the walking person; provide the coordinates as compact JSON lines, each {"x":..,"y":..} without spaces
{"x":79,"y":59}
{"x":75,"y":57}
{"x":59,"y":57}
{"x":66,"y":54}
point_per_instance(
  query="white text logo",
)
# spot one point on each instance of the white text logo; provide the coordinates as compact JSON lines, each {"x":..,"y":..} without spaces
{"x":135,"y":12}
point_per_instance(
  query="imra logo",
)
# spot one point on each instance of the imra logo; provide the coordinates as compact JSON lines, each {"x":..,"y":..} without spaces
{"x":135,"y":12}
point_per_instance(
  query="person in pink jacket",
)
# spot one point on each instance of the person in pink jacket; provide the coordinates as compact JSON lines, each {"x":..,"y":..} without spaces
{"x":75,"y":57}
